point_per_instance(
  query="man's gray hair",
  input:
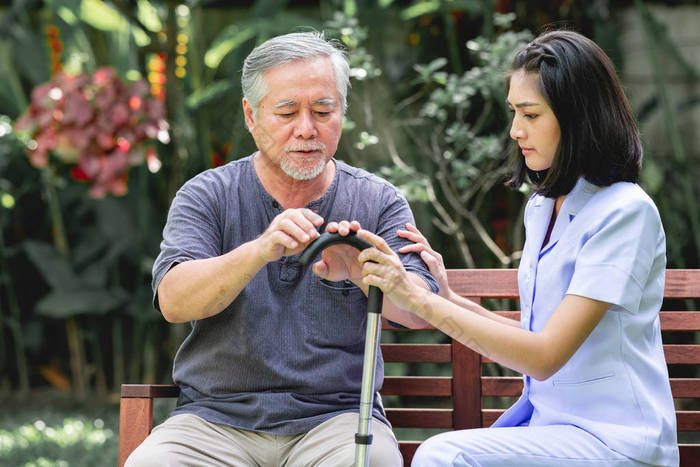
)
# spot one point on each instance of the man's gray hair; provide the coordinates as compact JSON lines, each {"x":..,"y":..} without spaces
{"x":288,"y":48}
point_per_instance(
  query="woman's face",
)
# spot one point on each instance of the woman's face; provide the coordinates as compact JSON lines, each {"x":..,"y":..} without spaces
{"x":534,"y":126}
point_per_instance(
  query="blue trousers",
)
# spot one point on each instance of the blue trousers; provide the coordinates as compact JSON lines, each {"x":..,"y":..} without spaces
{"x":554,"y":445}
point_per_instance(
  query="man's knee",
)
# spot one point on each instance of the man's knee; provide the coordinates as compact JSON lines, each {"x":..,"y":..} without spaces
{"x":384,"y":450}
{"x":385,"y":456}
{"x":151,"y":455}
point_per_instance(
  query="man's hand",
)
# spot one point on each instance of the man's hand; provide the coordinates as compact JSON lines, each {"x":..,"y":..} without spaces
{"x":339,"y":262}
{"x":288,"y":234}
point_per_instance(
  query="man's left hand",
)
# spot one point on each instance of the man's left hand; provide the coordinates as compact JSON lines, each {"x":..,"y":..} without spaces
{"x":339,"y":262}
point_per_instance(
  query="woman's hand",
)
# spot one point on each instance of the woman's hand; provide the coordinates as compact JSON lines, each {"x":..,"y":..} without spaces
{"x":382,"y":268}
{"x":430,"y":257}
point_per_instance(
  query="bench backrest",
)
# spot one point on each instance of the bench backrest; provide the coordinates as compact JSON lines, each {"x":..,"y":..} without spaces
{"x":480,"y":390}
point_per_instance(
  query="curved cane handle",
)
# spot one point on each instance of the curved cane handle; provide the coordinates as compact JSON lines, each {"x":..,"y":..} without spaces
{"x":327,"y":239}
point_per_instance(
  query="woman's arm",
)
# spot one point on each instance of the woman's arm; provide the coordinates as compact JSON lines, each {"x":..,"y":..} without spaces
{"x":537,"y":354}
{"x":436,"y":265}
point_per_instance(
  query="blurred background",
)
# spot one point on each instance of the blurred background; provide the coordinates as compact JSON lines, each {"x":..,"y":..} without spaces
{"x":108,"y":107}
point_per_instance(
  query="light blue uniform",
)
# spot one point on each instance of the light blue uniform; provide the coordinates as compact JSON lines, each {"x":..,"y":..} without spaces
{"x":613,"y":395}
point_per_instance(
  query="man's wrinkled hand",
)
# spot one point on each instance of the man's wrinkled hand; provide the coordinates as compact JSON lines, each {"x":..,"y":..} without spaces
{"x":288,"y":234}
{"x":339,"y":262}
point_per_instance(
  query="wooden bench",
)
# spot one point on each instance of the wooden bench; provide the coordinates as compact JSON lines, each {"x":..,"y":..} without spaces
{"x":476,"y":391}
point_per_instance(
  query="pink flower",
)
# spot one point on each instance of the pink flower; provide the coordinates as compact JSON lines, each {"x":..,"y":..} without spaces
{"x":96,"y":123}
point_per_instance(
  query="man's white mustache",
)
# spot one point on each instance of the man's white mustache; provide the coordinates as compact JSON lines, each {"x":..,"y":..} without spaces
{"x":306,"y":147}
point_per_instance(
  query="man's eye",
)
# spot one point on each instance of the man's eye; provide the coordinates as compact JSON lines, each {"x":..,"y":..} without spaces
{"x":322,"y":114}
{"x":287,"y":115}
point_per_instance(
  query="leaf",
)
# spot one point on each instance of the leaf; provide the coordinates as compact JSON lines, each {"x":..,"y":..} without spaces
{"x":212,"y":93}
{"x":51,"y":265}
{"x":30,"y":55}
{"x":262,"y":8}
{"x":420,"y":9}
{"x":148,"y":15}
{"x":229,"y":39}
{"x":62,"y":303}
{"x":101,"y":16}
{"x":12,"y":91}
{"x":114,"y":220}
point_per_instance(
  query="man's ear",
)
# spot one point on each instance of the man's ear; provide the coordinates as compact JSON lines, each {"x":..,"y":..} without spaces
{"x":248,"y":115}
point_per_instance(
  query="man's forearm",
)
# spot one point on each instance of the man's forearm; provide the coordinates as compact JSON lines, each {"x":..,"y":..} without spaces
{"x":202,"y":288}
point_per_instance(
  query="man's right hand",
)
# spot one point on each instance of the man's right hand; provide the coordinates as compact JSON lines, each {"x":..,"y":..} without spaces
{"x":288,"y":234}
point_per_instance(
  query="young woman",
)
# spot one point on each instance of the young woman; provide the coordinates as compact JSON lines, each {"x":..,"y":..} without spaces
{"x":591,"y":280}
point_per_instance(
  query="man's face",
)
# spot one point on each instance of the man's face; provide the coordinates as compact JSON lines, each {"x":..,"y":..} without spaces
{"x":299,"y":121}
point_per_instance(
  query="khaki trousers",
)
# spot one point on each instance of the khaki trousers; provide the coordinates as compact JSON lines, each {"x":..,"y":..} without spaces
{"x":188,"y":440}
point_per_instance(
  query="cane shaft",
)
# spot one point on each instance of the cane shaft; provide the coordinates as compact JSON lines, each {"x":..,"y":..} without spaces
{"x":369,"y":366}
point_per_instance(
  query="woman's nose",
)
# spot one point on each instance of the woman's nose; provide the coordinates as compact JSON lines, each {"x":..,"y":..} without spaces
{"x":516,"y":132}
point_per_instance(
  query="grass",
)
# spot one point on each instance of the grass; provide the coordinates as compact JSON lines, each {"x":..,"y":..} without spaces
{"x":48,"y":429}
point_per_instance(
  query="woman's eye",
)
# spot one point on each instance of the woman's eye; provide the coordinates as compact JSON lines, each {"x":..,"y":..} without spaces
{"x":530,"y":116}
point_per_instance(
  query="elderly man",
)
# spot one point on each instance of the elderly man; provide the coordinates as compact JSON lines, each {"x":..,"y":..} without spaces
{"x":270,"y":372}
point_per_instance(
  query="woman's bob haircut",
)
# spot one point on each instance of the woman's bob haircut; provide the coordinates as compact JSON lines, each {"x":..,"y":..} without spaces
{"x":599,"y":136}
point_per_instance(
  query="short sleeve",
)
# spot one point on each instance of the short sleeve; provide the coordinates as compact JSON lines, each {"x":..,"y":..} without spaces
{"x":615,"y":260}
{"x":394,"y":216}
{"x":192,"y":231}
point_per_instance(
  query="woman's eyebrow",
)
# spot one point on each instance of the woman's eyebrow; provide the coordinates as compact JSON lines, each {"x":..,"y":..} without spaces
{"x":523,"y":104}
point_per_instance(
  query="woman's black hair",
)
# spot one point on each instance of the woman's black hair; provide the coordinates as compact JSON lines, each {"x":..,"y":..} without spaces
{"x":599,"y":136}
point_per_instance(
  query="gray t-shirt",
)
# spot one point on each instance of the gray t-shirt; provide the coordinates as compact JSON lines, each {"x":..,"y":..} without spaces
{"x":287,"y":354}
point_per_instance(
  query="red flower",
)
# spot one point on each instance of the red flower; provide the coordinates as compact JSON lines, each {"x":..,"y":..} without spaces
{"x":97,"y":123}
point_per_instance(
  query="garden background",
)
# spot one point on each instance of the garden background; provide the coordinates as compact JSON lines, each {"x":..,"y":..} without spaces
{"x":89,"y":164}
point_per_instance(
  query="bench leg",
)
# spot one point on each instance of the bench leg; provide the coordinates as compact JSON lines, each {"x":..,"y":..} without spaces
{"x":135,"y":423}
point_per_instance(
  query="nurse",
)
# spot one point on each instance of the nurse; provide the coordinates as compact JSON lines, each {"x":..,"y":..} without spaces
{"x":591,"y":281}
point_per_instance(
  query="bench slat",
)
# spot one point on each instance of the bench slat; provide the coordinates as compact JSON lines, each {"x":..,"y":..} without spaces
{"x":420,"y":418}
{"x":417,"y":386}
{"x":139,"y":391}
{"x":680,"y":320}
{"x":503,"y":283}
{"x":484,"y":283}
{"x":488,"y":416}
{"x":690,"y":455}
{"x":408,"y":450}
{"x":513,"y":386}
{"x":688,"y":420}
{"x":422,"y":353}
{"x":685,"y":387}
{"x":682,"y":283}
{"x":501,"y":385}
{"x":682,"y":354}
{"x":670,"y":320}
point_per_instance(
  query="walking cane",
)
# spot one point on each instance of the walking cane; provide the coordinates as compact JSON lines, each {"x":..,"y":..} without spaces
{"x":363,"y":437}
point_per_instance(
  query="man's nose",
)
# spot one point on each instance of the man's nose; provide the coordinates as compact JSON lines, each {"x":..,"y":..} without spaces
{"x":305,"y":126}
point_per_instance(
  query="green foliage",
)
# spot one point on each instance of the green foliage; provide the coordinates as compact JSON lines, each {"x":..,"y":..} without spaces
{"x":53,"y":432}
{"x":463,"y":131}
